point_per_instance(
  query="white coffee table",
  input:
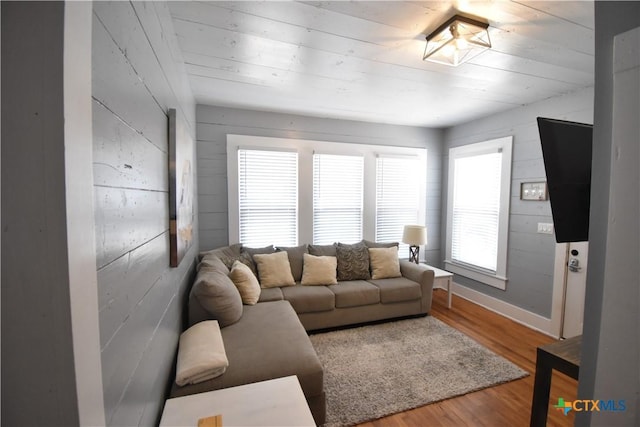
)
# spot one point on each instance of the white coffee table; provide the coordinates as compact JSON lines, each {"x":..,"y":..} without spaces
{"x":278,"y":402}
{"x":442,"y":279}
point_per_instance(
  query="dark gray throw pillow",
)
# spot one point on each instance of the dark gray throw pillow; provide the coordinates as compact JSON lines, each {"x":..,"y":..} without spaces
{"x":353,"y":261}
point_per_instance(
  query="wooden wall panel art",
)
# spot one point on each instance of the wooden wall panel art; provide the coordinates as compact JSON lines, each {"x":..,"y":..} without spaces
{"x":181,"y":215}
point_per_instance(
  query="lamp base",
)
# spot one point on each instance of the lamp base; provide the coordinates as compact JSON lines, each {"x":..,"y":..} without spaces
{"x":414,"y":254}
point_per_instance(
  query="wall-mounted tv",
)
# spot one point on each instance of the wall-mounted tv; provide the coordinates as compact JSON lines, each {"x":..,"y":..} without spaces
{"x":566,"y":150}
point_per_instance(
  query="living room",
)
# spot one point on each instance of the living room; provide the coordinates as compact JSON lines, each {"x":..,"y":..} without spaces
{"x":111,"y":338}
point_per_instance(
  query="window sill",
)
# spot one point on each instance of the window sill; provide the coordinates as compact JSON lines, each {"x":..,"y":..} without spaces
{"x":494,"y":280}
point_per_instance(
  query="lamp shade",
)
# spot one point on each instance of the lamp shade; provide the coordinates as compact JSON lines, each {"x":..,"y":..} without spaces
{"x":414,"y":235}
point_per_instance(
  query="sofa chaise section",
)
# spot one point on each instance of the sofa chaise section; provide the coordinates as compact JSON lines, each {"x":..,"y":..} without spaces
{"x":268,"y":342}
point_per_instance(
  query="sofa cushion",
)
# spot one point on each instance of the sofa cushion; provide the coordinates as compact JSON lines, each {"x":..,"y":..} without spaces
{"x":274,"y":270}
{"x":353,"y":293}
{"x":397,"y":289}
{"x":384,"y":262}
{"x":218,"y":296}
{"x":295,"y":259}
{"x":246,"y":282}
{"x":269,"y":342}
{"x":253,"y":251}
{"x":227,"y":254}
{"x":353,"y":261}
{"x":319,"y":270}
{"x":322,"y":250}
{"x":309,"y":299}
{"x":212,"y":261}
{"x":371,"y":244}
{"x":248,"y":253}
{"x":271,"y":294}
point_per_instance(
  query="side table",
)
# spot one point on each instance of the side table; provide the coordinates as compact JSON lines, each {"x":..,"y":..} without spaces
{"x":442,"y":279}
{"x":563,"y":356}
{"x":278,"y":402}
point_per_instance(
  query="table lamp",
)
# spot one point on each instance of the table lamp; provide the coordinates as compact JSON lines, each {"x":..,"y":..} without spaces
{"x":414,"y":236}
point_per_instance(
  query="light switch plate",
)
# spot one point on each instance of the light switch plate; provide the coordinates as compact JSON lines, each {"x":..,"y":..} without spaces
{"x":533,"y":191}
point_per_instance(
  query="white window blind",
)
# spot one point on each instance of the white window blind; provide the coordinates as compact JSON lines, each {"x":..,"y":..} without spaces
{"x":476,"y":210}
{"x":397,"y":198}
{"x":337,"y":198}
{"x":268,"y":197}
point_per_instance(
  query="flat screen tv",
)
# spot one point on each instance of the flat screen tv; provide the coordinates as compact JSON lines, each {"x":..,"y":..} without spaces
{"x":566,"y":150}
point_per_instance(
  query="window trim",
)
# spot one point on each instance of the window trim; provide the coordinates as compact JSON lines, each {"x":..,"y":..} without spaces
{"x":499,"y":278}
{"x":305,"y":149}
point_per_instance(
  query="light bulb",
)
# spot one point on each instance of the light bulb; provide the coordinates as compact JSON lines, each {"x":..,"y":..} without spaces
{"x":448,"y":49}
{"x":461,"y":44}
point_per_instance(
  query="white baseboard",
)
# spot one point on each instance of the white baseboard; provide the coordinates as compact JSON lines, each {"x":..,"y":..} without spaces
{"x":510,"y":311}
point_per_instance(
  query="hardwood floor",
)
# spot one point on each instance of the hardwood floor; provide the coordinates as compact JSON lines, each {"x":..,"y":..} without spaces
{"x":504,"y":405}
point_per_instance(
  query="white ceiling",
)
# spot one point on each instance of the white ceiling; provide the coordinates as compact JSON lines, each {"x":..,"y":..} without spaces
{"x":363,"y":60}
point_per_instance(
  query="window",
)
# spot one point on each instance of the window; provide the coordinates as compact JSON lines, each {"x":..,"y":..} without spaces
{"x":268,"y":197}
{"x":476,"y":213}
{"x":337,"y":198}
{"x":292,"y":191}
{"x":397,"y":197}
{"x":478,"y":210}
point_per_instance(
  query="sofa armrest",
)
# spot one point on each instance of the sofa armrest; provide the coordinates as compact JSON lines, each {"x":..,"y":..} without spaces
{"x":423,"y":275}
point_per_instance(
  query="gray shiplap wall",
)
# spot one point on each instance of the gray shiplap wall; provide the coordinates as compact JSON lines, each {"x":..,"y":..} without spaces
{"x":214,"y":123}
{"x":530,"y":257}
{"x":137,"y":76}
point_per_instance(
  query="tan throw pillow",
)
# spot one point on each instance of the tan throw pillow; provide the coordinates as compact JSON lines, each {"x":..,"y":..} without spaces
{"x":246,"y":282}
{"x":274,"y":270}
{"x":319,"y":270}
{"x":384,"y":262}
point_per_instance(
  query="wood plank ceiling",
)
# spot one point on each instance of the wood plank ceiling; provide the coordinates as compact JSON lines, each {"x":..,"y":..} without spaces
{"x":363,"y":60}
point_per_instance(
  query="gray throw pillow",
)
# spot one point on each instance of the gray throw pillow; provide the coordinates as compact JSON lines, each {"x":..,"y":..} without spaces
{"x":266,"y":250}
{"x":296,"y":262}
{"x":217,"y":294}
{"x":227,"y":254}
{"x":214,"y":262}
{"x":353,"y":261}
{"x":322,"y":250}
{"x":371,"y":244}
{"x":246,"y":256}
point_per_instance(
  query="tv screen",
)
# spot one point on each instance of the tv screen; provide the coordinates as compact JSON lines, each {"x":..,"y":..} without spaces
{"x":566,"y":150}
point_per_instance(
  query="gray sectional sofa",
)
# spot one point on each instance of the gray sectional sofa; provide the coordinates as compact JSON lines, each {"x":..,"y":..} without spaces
{"x":269,"y":339}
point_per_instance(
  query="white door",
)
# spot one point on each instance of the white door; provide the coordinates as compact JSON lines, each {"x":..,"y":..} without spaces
{"x":575,"y":284}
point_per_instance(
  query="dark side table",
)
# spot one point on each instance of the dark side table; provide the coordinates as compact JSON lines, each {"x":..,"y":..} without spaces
{"x":563,"y":356}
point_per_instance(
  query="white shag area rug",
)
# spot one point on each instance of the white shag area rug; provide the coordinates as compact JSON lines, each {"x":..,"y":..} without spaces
{"x":377,"y":370}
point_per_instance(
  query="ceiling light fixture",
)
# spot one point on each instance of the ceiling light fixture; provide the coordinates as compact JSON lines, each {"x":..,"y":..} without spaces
{"x":457,"y":41}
